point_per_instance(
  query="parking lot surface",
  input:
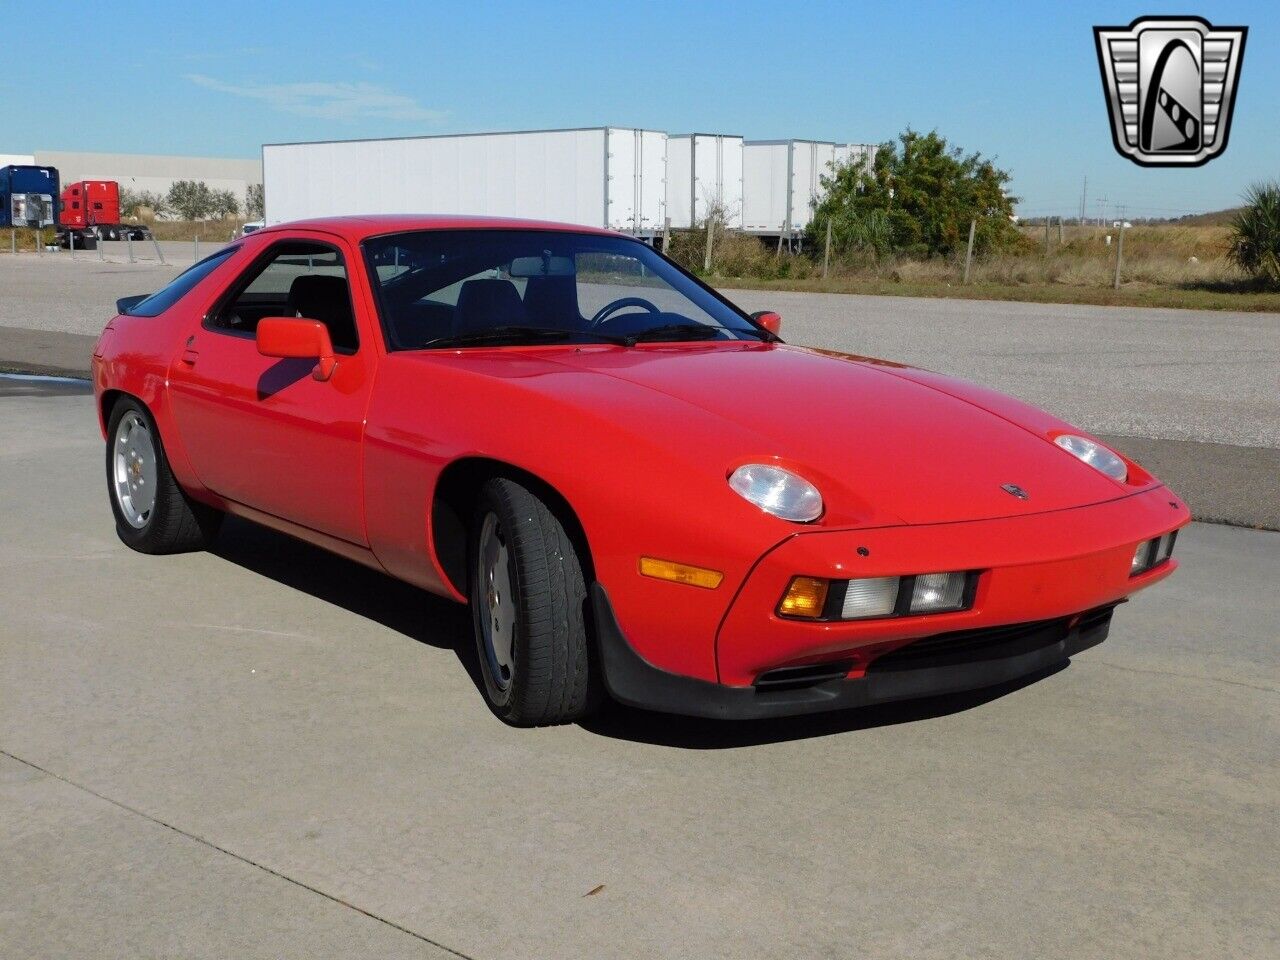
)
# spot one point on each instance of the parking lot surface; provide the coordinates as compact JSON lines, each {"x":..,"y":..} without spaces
{"x":268,"y":751}
{"x":1192,"y":375}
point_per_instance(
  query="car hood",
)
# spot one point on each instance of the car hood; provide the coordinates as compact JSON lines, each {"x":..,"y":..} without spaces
{"x":884,"y":443}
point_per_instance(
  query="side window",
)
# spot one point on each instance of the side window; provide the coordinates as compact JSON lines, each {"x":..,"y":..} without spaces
{"x":292,"y":279}
{"x":179,"y":286}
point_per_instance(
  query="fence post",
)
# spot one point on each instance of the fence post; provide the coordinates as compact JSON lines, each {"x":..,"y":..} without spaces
{"x":128,"y":240}
{"x":1059,"y":231}
{"x":1046,"y":235}
{"x":1119,"y":255}
{"x":195,"y":249}
{"x":666,"y":233}
{"x":826,"y":251}
{"x":71,"y":239}
{"x":39,"y":242}
{"x":98,"y":245}
{"x":159,"y":253}
{"x":706,"y":260}
{"x":968,"y":254}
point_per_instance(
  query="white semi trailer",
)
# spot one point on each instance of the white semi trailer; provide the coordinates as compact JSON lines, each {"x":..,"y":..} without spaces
{"x":704,"y":171}
{"x":611,"y":177}
{"x":782,"y":181}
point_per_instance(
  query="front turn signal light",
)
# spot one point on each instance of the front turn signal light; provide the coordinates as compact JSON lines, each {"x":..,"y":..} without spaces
{"x":806,"y":597}
{"x":680,"y":573}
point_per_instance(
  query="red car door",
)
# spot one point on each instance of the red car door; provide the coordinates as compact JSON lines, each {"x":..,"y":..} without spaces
{"x":262,"y":431}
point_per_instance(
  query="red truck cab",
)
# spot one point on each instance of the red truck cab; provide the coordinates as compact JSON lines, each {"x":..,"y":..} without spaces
{"x":89,"y":204}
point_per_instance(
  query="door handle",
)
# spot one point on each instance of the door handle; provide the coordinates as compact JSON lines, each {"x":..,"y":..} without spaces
{"x":189,"y":354}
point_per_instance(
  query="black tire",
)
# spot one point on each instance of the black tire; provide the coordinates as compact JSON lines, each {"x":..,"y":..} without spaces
{"x":552,"y":680}
{"x":175,"y":522}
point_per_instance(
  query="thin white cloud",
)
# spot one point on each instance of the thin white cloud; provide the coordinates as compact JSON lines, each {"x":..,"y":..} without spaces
{"x":329,"y":101}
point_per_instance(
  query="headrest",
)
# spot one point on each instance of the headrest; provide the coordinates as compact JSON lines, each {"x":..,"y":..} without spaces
{"x":487,"y":303}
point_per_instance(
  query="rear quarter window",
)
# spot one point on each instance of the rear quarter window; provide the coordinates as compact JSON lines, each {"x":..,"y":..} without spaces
{"x":181,"y":285}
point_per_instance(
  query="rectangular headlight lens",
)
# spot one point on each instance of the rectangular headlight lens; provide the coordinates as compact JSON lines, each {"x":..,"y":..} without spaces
{"x":872,"y":597}
{"x":938,"y":592}
{"x":1152,"y":553}
{"x":1141,"y":557}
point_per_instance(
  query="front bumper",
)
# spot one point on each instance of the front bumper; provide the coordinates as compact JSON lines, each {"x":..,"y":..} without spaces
{"x":1046,"y":584}
{"x":949,"y":663}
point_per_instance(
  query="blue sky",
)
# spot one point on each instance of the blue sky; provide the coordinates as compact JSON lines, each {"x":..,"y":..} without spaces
{"x":1015,"y":80}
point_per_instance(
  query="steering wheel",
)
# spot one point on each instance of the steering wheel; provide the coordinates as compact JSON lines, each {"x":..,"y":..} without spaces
{"x":621,"y":304}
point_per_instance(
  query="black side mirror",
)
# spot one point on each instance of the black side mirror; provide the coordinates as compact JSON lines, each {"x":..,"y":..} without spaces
{"x":125,"y":304}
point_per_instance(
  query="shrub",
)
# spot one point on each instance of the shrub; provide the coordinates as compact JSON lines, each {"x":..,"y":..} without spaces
{"x":1255,"y":233}
{"x":916,"y":198}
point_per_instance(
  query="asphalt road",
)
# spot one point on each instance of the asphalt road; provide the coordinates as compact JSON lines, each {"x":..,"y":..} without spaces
{"x":268,"y":751}
{"x":1192,"y":375}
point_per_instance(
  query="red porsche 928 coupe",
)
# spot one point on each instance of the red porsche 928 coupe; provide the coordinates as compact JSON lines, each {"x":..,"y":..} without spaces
{"x":639,"y":489}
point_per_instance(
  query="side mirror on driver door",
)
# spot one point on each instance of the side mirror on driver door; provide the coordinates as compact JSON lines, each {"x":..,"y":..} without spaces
{"x":769,"y":320}
{"x":299,"y":339}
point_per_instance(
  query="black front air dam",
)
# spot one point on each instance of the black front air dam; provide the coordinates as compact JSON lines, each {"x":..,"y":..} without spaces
{"x":947,"y":663}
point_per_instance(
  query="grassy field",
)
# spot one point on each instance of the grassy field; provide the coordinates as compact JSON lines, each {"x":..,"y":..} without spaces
{"x":1164,"y":266}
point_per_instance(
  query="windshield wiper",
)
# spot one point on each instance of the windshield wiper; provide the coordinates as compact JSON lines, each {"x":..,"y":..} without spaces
{"x":516,"y":333}
{"x":675,"y":331}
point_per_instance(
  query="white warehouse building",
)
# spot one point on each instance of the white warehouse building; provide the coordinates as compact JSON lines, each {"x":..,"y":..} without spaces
{"x":154,"y":174}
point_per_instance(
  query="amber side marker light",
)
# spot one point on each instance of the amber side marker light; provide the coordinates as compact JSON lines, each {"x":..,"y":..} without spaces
{"x":805,"y":597}
{"x":680,"y":573}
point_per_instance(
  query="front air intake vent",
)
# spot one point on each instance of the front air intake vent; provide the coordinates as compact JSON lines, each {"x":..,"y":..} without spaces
{"x":790,"y":678}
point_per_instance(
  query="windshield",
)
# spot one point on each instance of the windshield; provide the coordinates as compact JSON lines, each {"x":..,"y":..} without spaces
{"x":449,"y":288}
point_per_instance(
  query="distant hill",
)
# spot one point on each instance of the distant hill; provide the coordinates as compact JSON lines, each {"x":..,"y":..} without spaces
{"x":1215,"y":218}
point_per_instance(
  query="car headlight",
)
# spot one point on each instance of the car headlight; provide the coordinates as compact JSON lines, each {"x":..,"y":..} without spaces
{"x":777,"y":491}
{"x":1095,"y":455}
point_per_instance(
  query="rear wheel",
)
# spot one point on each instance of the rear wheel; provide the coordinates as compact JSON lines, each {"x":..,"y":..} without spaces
{"x":153,"y":514}
{"x":528,"y":603}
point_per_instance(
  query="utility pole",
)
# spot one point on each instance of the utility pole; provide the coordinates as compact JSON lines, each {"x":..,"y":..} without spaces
{"x":1102,"y":206}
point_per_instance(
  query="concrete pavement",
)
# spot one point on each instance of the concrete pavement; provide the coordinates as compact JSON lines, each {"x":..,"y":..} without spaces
{"x":1197,"y":375}
{"x":268,"y":751}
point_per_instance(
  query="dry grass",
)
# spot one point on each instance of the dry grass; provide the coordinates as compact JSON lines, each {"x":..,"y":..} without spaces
{"x":24,"y":238}
{"x":1174,"y":266}
{"x":215,"y":230}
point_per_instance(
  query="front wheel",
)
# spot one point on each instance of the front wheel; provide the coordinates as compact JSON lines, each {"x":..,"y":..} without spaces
{"x":528,"y":603}
{"x":153,"y":514}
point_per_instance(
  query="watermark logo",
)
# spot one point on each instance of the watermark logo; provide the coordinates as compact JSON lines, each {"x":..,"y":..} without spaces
{"x":1170,"y":84}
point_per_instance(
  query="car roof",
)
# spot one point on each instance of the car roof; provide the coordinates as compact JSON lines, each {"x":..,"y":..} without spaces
{"x":371,"y":225}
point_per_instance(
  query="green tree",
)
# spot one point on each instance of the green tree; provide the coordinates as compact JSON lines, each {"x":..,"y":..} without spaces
{"x":253,"y":202}
{"x":157,"y":202}
{"x":1255,"y":233}
{"x":131,"y":201}
{"x":190,"y":199}
{"x":224,"y":204}
{"x":916,"y":198}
